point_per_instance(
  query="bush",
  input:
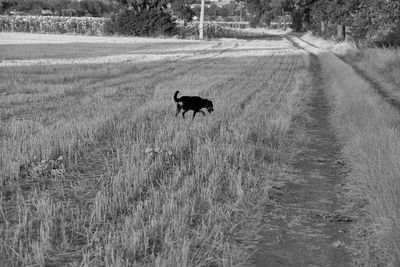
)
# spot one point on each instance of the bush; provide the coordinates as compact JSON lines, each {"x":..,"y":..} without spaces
{"x":254,"y":22}
{"x":376,"y":23}
{"x":214,"y":29}
{"x":150,"y":22}
{"x":390,"y":38}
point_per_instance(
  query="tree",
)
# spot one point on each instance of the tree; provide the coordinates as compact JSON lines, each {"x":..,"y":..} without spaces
{"x":180,"y":7}
{"x":264,"y":11}
{"x":223,"y":12}
{"x":139,"y":5}
{"x":260,"y":10}
{"x":377,"y":21}
{"x":144,"y":18}
{"x":5,"y":5}
{"x":196,"y":11}
{"x":212,"y":10}
{"x":183,"y":10}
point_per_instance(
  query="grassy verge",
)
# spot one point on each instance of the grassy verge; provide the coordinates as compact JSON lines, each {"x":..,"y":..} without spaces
{"x":133,"y":184}
{"x":382,"y":64}
{"x":369,"y":126}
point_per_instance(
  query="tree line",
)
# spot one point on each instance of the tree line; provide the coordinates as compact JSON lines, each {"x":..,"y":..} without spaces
{"x":375,"y":21}
{"x":93,"y":8}
{"x":229,"y":12}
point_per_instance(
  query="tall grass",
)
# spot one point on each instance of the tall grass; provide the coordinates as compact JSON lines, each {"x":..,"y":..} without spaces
{"x":134,"y":185}
{"x":380,"y":63}
{"x":369,"y":126}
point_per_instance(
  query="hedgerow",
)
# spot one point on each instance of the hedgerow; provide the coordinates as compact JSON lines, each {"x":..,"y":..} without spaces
{"x":149,"y":23}
{"x":52,"y":24}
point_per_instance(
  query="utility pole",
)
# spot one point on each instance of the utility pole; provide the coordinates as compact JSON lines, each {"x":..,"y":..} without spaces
{"x":201,"y":25}
{"x":284,"y":20}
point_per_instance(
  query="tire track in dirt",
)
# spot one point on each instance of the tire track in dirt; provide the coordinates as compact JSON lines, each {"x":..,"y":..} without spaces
{"x":304,"y":226}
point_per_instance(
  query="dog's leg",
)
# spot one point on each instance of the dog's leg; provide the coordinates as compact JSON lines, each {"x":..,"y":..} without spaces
{"x":194,"y":113}
{"x":178,"y":109}
{"x":202,"y":112}
{"x":183,"y":113}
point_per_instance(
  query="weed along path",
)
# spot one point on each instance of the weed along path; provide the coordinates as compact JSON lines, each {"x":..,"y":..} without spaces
{"x":304,"y":227}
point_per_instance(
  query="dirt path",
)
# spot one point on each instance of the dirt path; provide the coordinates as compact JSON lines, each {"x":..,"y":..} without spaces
{"x":305,"y":227}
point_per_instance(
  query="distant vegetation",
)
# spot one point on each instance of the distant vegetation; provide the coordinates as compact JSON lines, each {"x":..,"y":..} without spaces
{"x":373,"y":21}
{"x":125,"y":24}
{"x":52,"y":24}
{"x":93,"y":8}
{"x":183,"y":9}
{"x":376,"y":22}
{"x":144,"y":18}
{"x":145,"y":22}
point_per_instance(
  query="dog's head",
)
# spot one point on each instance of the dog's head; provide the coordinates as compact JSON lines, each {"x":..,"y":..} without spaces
{"x":210,"y":107}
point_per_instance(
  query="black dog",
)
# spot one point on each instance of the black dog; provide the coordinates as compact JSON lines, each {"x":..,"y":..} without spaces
{"x":194,"y":103}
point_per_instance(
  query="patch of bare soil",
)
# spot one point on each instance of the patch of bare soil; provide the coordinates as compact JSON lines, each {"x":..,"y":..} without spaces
{"x":305,"y":226}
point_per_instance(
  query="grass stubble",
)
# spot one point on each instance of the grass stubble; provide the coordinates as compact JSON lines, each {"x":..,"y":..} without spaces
{"x":369,"y":127}
{"x":96,"y":171}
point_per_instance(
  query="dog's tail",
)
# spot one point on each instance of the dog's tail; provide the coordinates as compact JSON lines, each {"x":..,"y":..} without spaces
{"x":176,"y":96}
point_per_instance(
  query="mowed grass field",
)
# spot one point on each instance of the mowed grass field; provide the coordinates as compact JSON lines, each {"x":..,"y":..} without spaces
{"x":95,"y":170}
